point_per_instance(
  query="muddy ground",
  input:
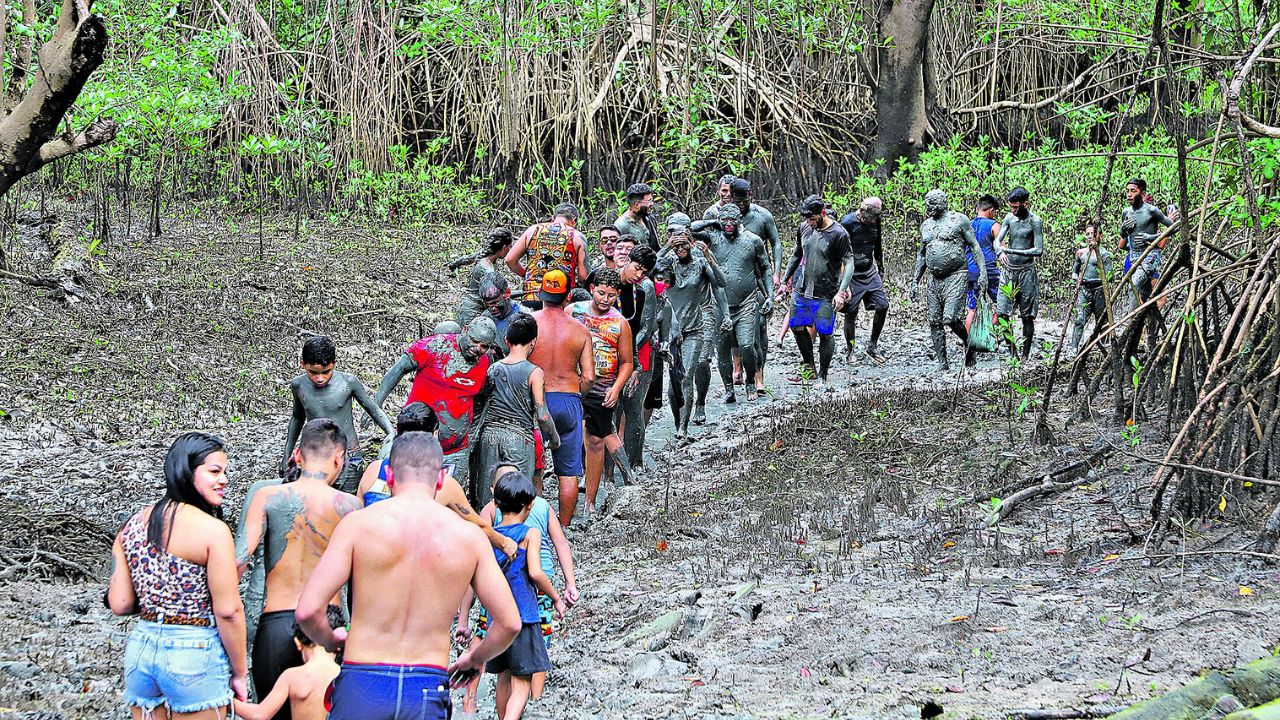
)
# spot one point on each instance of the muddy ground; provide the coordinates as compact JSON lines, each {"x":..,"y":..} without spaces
{"x":810,"y":555}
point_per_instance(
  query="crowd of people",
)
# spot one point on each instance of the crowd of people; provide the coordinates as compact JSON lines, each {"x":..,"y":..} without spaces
{"x":362,"y":580}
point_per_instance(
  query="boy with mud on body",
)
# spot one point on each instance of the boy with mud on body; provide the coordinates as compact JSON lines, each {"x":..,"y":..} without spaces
{"x":322,"y":392}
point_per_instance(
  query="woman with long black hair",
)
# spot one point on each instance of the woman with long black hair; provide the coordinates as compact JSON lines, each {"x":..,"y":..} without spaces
{"x":174,"y":566}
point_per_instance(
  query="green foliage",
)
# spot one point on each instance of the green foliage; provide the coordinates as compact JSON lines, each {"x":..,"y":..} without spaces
{"x":420,"y":187}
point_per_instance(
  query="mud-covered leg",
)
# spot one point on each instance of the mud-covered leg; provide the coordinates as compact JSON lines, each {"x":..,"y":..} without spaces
{"x":939,"y":347}
{"x":805,"y":342}
{"x":826,"y":350}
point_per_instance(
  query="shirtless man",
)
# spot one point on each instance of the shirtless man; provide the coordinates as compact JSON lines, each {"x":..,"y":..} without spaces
{"x":1140,"y":227}
{"x":564,"y":353}
{"x":448,"y":372}
{"x":555,"y":245}
{"x":696,"y":283}
{"x":1091,"y":270}
{"x":409,"y":561}
{"x":295,"y":521}
{"x":944,"y":235}
{"x":637,"y":219}
{"x":744,"y":260}
{"x":1018,"y":245}
{"x":865,"y":286}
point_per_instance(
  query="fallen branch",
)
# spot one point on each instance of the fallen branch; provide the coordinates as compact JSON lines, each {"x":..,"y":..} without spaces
{"x":1099,"y":711}
{"x":1047,"y":487}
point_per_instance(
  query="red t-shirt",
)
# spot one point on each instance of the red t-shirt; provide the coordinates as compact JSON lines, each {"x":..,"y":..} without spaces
{"x":447,"y":385}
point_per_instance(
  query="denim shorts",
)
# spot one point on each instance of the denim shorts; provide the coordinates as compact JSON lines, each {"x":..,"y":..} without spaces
{"x":182,"y":666}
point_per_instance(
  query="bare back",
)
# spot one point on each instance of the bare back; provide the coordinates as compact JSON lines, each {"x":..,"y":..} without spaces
{"x":300,"y":519}
{"x":412,"y":560}
{"x":561,"y":344}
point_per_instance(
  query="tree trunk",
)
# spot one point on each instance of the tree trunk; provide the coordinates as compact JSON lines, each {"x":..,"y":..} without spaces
{"x":901,"y":122}
{"x":27,"y":134}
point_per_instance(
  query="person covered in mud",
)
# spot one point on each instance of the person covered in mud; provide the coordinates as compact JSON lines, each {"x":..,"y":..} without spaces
{"x":293,"y":522}
{"x":614,"y":354}
{"x":565,"y":355}
{"x":1018,"y":245}
{"x":865,"y":286}
{"x":514,"y":403}
{"x":397,"y":649}
{"x":696,"y":284}
{"x":323,"y":392}
{"x":173,"y":566}
{"x":495,"y":299}
{"x":823,"y":246}
{"x":724,"y":194}
{"x":944,"y":235}
{"x":985,"y":229}
{"x":637,"y":219}
{"x":744,"y":259}
{"x":448,"y":372}
{"x":375,"y":486}
{"x":1091,"y":269}
{"x":483,"y":261}
{"x":554,"y":245}
{"x":1140,"y":226}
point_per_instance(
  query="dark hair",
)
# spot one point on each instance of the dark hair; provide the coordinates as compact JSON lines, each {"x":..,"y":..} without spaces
{"x":513,"y":492}
{"x":186,"y":454}
{"x":1019,"y":194}
{"x":415,"y":455}
{"x":638,"y":191}
{"x":608,"y":276}
{"x":646,"y":256}
{"x":321,"y":435}
{"x":575,"y":295}
{"x":626,"y":237}
{"x":497,"y":239}
{"x":522,"y":330}
{"x":1142,"y":184}
{"x":319,"y":350}
{"x":492,"y":285}
{"x":812,"y":205}
{"x":567,"y":210}
{"x":416,"y":417}
{"x":726,"y":180}
{"x":739,"y":189}
{"x":988,"y":202}
{"x":608,"y":227}
{"x":333,"y":614}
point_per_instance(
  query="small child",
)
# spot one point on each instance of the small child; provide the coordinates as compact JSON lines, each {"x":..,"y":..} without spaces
{"x":322,"y":392}
{"x":302,"y":687}
{"x":514,"y":495}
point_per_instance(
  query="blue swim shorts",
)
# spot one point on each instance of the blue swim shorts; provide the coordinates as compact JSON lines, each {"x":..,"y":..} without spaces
{"x":566,"y":411}
{"x":390,"y":692}
{"x":182,"y":666}
{"x":806,"y":312}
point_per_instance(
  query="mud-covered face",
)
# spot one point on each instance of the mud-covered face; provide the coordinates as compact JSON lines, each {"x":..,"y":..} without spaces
{"x":499,"y":306}
{"x":1019,"y":208}
{"x":869,"y":212}
{"x":477,"y":338}
{"x":318,"y":374}
{"x":603,"y":297}
{"x":1133,"y":194}
{"x":211,"y":478}
{"x":935,"y":203}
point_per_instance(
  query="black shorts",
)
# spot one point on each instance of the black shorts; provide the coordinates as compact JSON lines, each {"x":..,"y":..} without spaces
{"x":274,"y":652}
{"x":653,"y":398}
{"x":598,"y":418}
{"x":526,"y":655}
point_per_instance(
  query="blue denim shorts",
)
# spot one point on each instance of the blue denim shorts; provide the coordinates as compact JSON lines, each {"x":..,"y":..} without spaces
{"x":181,"y":666}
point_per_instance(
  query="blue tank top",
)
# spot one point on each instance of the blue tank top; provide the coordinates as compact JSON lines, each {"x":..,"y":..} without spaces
{"x":539,"y":517}
{"x":517,"y":573}
{"x":982,"y":229}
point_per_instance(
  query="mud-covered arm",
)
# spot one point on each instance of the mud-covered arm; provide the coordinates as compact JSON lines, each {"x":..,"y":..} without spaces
{"x":374,"y":411}
{"x":878,"y":252}
{"x":766,"y":276}
{"x":550,"y":437}
{"x":648,"y":315}
{"x":296,"y":421}
{"x":773,"y":241}
{"x":253,"y":521}
{"x":1037,"y":245}
{"x":918,"y":273}
{"x":392,"y":378}
{"x":796,"y":256}
{"x":1077,"y":267}
{"x":717,"y":295}
{"x":698,"y":229}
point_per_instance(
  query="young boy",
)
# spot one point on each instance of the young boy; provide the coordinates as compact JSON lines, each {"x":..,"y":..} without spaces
{"x":302,"y":687}
{"x":321,"y":392}
{"x":522,"y":668}
{"x":514,"y":402}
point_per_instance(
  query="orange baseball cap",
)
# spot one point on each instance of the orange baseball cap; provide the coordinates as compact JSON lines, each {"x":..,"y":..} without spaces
{"x":555,"y":286}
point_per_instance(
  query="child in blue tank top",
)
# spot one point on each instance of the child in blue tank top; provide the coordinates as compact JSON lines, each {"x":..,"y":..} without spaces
{"x":513,"y":495}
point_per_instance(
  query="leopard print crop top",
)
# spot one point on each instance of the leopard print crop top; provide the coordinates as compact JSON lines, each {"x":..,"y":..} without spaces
{"x":165,"y":584}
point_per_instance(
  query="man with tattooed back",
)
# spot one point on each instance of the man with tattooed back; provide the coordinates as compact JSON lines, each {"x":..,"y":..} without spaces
{"x":292,"y":522}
